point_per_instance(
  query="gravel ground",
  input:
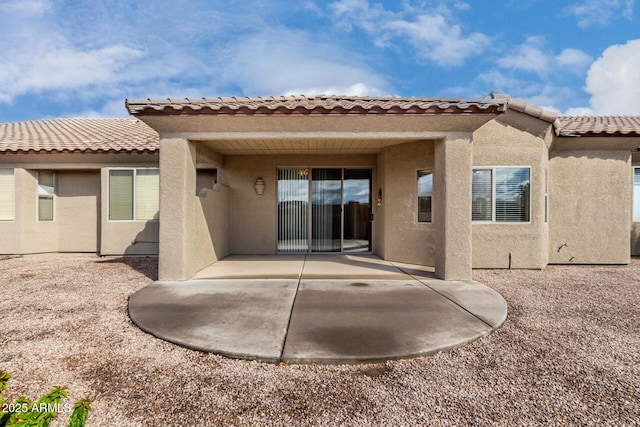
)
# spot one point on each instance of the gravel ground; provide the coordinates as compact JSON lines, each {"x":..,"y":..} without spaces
{"x":568,"y":354}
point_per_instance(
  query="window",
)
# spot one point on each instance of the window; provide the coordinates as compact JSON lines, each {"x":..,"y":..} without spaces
{"x":7,"y":195}
{"x":134,"y":194}
{"x":46,"y":192}
{"x":501,"y":194}
{"x":425,"y":190}
{"x":636,"y":194}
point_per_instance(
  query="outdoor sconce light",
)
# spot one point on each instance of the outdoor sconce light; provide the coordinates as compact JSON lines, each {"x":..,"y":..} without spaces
{"x":259,"y":186}
{"x":380,"y":197}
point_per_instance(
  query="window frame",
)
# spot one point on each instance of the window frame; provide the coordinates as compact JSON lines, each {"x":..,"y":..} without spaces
{"x":493,"y":194}
{"x":420,"y":195}
{"x":44,"y":195}
{"x":133,"y":189}
{"x":13,"y":173}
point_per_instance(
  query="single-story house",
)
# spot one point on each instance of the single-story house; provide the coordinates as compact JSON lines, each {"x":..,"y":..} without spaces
{"x":449,"y":183}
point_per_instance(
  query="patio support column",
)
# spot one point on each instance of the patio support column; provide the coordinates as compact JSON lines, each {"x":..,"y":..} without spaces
{"x":452,"y":207}
{"x":177,"y":213}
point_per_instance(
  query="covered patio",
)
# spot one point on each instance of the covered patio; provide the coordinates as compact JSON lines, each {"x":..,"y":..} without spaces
{"x":317,"y":309}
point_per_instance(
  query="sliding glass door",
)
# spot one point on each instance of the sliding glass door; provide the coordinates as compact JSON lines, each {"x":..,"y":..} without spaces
{"x":324,"y":210}
{"x":293,"y":210}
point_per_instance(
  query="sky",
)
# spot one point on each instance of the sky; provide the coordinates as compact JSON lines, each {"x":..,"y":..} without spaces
{"x":64,"y":58}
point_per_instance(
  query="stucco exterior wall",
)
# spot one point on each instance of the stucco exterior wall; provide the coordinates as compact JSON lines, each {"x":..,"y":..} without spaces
{"x":404,"y":238}
{"x":590,"y":207}
{"x":212,"y":226}
{"x":124,"y":237}
{"x":378,"y":226}
{"x":514,"y":140}
{"x":78,"y":205}
{"x":253,"y":222}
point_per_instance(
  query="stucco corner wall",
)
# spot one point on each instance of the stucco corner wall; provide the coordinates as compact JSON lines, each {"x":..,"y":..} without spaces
{"x":514,"y":140}
{"x":212,"y":226}
{"x":590,"y":207}
{"x":398,"y":234}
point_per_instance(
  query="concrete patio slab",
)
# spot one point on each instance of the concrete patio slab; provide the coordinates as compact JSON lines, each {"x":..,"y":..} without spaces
{"x":476,"y":298}
{"x":254,"y":267}
{"x":236,"y":318}
{"x":342,"y":321}
{"x":349,"y":267}
{"x":319,"y":309}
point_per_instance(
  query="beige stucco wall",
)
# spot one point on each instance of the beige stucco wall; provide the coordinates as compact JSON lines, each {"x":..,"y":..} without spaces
{"x":590,"y":207}
{"x":78,"y":205}
{"x":75,"y":224}
{"x":402,"y":237}
{"x":514,"y":140}
{"x":212,"y":226}
{"x":253,"y":223}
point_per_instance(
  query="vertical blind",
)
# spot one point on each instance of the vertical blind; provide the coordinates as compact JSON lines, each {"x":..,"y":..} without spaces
{"x":512,"y":194}
{"x":121,"y":194}
{"x":7,"y":195}
{"x":147,"y":194}
{"x":326,"y":214}
{"x":481,"y":195}
{"x":293,"y":210}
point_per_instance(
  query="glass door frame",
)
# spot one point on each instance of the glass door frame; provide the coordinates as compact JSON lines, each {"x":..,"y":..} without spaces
{"x":310,"y":169}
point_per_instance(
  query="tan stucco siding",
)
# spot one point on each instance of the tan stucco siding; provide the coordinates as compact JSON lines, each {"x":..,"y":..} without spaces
{"x":404,"y":238}
{"x":590,"y":207}
{"x":516,"y":140}
{"x":212,"y":226}
{"x":77,"y":211}
{"x":253,"y":223}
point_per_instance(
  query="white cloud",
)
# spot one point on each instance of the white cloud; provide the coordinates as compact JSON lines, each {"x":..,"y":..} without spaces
{"x":438,"y":40}
{"x":613,"y":80}
{"x":285,"y":62}
{"x":579,"y":111}
{"x":358,"y":89}
{"x":574,"y":60}
{"x":434,"y":34}
{"x":600,"y":12}
{"x":531,"y":56}
{"x":27,"y":8}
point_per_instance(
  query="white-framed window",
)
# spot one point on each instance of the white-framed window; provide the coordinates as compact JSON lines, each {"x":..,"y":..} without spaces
{"x":425,"y":193}
{"x":636,"y":194}
{"x":134,"y":194}
{"x":501,"y":194}
{"x":46,"y":195}
{"x":7,"y":195}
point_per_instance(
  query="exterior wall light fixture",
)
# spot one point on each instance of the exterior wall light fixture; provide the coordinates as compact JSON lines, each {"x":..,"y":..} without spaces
{"x":380,"y":197}
{"x":259,"y":186}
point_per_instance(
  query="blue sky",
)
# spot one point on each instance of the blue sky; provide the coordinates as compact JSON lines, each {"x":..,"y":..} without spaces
{"x":65,"y":58}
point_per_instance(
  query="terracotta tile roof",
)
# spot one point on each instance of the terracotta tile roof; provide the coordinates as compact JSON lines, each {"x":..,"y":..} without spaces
{"x":600,"y":126}
{"x":320,"y":104}
{"x":78,"y":136}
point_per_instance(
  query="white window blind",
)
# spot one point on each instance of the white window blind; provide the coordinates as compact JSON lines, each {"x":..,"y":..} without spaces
{"x":7,"y":195}
{"x":147,"y":194}
{"x":46,"y":191}
{"x":481,"y":194}
{"x":512,"y":194}
{"x":121,"y":194}
{"x":636,"y":194}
